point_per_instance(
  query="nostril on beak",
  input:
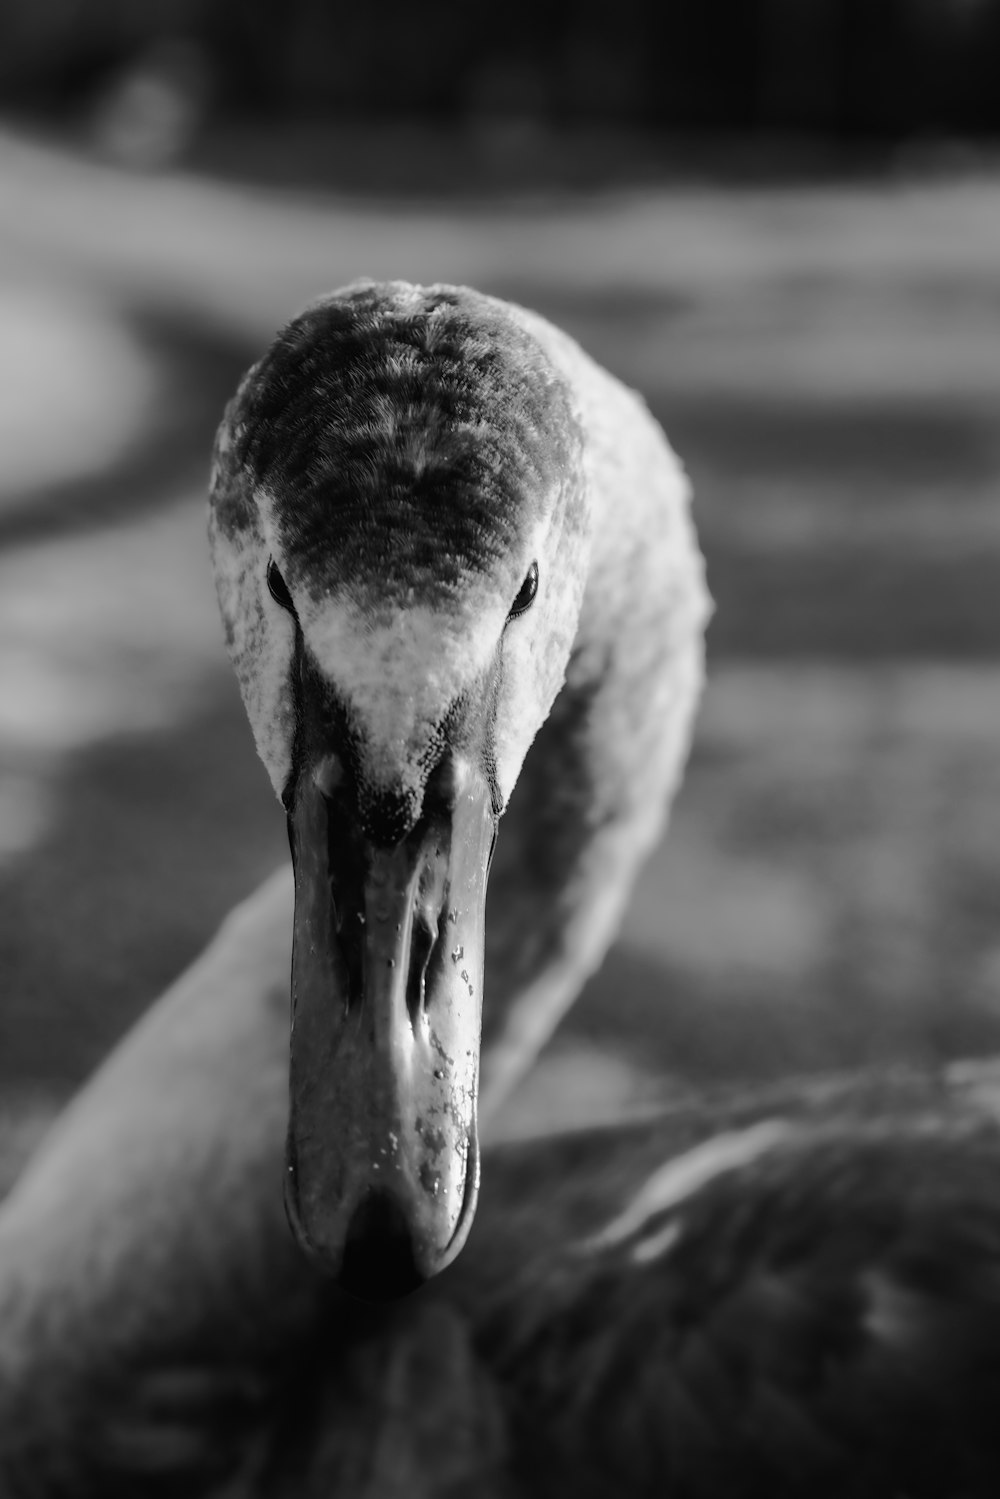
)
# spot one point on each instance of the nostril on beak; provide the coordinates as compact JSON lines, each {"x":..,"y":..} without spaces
{"x":423,"y":940}
{"x":379,"y":1263}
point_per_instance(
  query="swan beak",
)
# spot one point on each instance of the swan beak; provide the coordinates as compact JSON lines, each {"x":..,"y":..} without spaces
{"x":382,"y":1158}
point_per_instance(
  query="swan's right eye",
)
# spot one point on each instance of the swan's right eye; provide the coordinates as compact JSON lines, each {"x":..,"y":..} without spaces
{"x":278,"y":588}
{"x":526,"y":594}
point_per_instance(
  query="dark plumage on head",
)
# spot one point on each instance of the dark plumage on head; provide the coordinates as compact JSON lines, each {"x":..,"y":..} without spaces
{"x":408,"y":436}
{"x":401,"y":460}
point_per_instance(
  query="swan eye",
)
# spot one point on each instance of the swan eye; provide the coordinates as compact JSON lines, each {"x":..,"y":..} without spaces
{"x":526,"y":593}
{"x":278,"y":588}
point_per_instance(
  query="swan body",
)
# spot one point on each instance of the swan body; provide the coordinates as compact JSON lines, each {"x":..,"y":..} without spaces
{"x":794,"y":1294}
{"x":807,"y":1303}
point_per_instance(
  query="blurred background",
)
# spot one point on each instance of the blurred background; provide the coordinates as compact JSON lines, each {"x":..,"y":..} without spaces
{"x":779,"y":220}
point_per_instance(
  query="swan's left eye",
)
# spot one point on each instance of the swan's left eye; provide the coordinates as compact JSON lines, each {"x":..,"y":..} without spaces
{"x":526,"y":593}
{"x":278,"y":588}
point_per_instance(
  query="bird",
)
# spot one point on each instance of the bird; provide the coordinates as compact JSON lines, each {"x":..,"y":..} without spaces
{"x":792,"y":1292}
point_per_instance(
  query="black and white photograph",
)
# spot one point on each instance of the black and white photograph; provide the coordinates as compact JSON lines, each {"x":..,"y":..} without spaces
{"x":500,"y":750}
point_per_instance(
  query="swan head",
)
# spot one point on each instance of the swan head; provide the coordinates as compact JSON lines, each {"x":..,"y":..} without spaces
{"x":400,"y":523}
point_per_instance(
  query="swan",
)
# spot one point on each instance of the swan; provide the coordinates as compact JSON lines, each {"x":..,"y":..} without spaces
{"x":794,"y":1293}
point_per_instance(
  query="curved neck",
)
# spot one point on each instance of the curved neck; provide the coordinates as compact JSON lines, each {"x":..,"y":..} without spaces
{"x":594,"y":791}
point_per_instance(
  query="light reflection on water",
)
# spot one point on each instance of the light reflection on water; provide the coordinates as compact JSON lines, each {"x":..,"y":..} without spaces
{"x":75,"y":388}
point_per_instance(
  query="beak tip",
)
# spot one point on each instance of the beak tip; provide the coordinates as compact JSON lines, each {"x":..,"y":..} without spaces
{"x":374,"y":1251}
{"x":379,"y":1262}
